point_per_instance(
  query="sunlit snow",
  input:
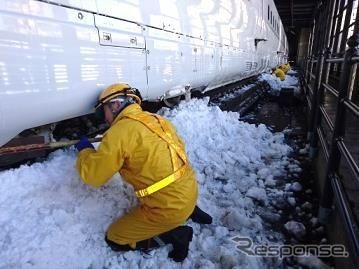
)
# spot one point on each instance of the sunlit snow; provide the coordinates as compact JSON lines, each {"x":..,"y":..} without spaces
{"x":50,"y":219}
{"x":290,"y":81}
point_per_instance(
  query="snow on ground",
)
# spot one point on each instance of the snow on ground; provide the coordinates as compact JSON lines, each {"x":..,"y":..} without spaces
{"x":292,"y":72}
{"x":235,"y":93}
{"x":50,"y":219}
{"x":290,"y":81}
{"x":312,"y":262}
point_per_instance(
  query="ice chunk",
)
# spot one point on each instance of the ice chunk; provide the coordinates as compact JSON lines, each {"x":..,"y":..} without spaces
{"x":296,"y":186}
{"x":295,"y":228}
{"x":291,"y":201}
{"x":258,"y":194}
{"x":307,"y":206}
{"x":314,"y":221}
{"x":311,"y":262}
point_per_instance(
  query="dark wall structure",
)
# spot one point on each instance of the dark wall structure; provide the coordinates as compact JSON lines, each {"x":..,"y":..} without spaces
{"x":302,"y":46}
{"x":296,"y":15}
{"x":328,"y":55}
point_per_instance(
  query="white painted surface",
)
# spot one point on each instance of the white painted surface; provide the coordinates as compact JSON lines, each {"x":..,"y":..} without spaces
{"x":56,"y":56}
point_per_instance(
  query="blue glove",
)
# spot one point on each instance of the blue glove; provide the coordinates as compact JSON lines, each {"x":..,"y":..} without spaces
{"x":83,"y":143}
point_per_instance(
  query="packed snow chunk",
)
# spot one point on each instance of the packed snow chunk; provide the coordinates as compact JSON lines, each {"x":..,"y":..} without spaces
{"x":273,"y":81}
{"x":312,"y":262}
{"x":295,"y":228}
{"x":290,"y":81}
{"x":291,"y":201}
{"x":296,"y":186}
{"x":228,"y":262}
{"x":292,"y":72}
{"x":307,"y":206}
{"x":269,"y":181}
{"x":258,"y":194}
{"x":276,"y":84}
{"x":287,"y":187}
{"x":238,"y":220}
{"x":236,"y":92}
{"x":323,"y":241}
{"x":304,"y":150}
{"x":314,"y":221}
{"x":263,"y":173}
{"x":269,"y":216}
{"x":309,"y":191}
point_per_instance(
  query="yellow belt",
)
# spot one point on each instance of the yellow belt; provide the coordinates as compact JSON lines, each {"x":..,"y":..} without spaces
{"x":162,"y":183}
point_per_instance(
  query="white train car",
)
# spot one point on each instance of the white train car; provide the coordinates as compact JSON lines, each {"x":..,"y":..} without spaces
{"x":56,"y":56}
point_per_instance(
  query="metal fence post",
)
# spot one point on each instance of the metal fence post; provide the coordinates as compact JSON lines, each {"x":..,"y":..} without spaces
{"x":339,"y":130}
{"x":309,"y":69}
{"x":313,"y":150}
{"x":315,"y":102}
{"x":306,"y":73}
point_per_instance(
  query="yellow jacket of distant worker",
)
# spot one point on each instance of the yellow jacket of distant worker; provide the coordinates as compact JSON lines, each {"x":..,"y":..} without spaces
{"x":285,"y":67}
{"x":288,"y":66}
{"x":279,"y":73}
{"x":142,"y":158}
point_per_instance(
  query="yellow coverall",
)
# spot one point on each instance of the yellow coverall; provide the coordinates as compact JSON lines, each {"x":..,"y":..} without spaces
{"x":285,"y":67}
{"x":279,"y":73}
{"x":142,"y":158}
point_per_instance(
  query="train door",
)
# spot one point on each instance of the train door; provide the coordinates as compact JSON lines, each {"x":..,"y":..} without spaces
{"x":123,"y":52}
{"x":164,"y":57}
{"x":260,"y":42}
{"x":209,"y":61}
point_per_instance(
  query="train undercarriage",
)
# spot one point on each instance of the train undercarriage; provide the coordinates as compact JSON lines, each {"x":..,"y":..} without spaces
{"x":36,"y":143}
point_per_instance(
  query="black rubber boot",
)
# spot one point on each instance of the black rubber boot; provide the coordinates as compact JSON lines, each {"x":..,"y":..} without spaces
{"x":117,"y":247}
{"x":144,"y":245}
{"x":200,"y":216}
{"x":180,"y":239}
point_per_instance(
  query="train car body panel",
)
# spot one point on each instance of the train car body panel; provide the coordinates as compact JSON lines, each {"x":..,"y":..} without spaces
{"x":56,"y":56}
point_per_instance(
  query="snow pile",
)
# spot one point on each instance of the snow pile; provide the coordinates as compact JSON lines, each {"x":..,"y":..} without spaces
{"x":50,"y":219}
{"x":290,"y":81}
{"x":292,"y":72}
{"x":235,"y":93}
{"x":312,"y":262}
{"x":276,"y":84}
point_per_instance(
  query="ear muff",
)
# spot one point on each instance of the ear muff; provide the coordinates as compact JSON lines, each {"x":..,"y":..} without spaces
{"x":100,"y":113}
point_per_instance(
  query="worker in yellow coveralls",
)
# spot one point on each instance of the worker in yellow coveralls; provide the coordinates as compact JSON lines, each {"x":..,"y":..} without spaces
{"x":285,"y":67}
{"x":288,"y":67}
{"x":278,"y":72}
{"x":149,"y":155}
